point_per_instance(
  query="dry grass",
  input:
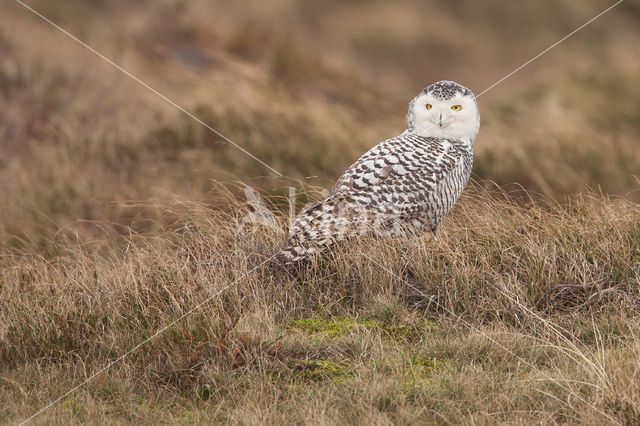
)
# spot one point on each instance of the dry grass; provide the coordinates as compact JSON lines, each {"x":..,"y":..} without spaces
{"x":113,"y":224}
{"x":514,"y":313}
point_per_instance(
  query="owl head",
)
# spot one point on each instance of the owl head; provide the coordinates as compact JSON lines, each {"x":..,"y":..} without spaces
{"x":445,"y":109}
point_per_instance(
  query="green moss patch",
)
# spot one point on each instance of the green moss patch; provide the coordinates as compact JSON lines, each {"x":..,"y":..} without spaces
{"x":316,"y":370}
{"x":331,"y":328}
{"x":426,"y":365}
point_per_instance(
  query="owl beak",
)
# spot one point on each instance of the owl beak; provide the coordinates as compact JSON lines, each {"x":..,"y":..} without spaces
{"x":440,"y":120}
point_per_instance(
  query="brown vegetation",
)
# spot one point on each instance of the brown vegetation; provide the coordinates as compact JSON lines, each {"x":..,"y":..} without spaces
{"x":113,"y":224}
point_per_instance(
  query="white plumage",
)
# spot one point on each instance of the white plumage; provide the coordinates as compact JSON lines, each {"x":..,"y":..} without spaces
{"x":406,"y":183}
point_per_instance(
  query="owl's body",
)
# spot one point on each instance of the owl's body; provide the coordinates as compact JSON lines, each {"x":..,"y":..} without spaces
{"x":404,"y":184}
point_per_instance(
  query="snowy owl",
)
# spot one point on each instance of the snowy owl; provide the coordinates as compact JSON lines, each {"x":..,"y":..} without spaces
{"x":406,"y":183}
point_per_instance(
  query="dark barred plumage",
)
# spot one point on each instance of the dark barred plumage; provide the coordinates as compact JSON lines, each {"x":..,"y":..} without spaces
{"x":407,"y":183}
{"x":446,"y":90}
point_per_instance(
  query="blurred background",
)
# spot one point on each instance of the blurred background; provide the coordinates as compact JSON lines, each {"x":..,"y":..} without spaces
{"x":307,"y":86}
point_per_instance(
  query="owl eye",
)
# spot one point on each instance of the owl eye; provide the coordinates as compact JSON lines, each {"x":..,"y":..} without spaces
{"x":456,"y":107}
{"x":428,"y":106}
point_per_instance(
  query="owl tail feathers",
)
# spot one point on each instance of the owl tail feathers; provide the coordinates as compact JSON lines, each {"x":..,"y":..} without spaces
{"x":315,"y":230}
{"x":301,"y":250}
{"x":289,"y":255}
{"x":297,"y":251}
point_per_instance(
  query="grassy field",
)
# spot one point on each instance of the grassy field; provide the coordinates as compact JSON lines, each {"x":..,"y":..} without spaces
{"x":120,"y":215}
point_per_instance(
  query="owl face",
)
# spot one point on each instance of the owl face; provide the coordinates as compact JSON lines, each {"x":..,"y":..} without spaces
{"x":445,"y":109}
